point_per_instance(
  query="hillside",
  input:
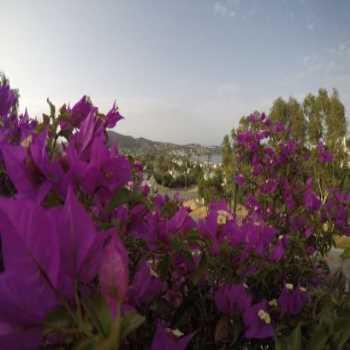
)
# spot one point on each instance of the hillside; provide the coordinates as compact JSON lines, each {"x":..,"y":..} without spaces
{"x":141,"y":145}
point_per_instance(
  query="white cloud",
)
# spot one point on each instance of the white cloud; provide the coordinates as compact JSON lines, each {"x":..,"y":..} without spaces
{"x":328,"y":68}
{"x":310,"y":26}
{"x":220,"y":9}
{"x":333,"y":62}
{"x":307,"y":59}
{"x":227,"y":8}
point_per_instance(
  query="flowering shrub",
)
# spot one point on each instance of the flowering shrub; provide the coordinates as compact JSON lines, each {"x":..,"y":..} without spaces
{"x":93,"y":260}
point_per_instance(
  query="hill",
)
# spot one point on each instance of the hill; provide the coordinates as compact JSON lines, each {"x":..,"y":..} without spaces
{"x":141,"y":145}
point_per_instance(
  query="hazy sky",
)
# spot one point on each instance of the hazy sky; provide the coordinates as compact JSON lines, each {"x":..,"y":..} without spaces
{"x":180,"y":70}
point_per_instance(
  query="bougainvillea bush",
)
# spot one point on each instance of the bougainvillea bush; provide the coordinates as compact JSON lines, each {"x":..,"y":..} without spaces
{"x":92,"y":259}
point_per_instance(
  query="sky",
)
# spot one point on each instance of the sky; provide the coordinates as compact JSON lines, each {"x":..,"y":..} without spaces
{"x":180,"y":70}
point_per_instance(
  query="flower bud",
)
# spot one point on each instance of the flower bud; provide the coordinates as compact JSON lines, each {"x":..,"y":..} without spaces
{"x":113,"y":274}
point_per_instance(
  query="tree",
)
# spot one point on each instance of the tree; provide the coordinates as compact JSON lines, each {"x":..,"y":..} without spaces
{"x":314,"y":119}
{"x":279,"y":111}
{"x":291,"y":115}
{"x":228,"y":163}
{"x":227,"y":157}
{"x":335,"y":120}
{"x":296,"y":120}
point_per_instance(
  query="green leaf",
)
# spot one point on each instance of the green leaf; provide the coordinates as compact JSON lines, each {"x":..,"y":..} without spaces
{"x":342,"y":333}
{"x":281,"y":343}
{"x":124,"y":196}
{"x":130,"y":323}
{"x":192,"y":236}
{"x":202,"y":268}
{"x":99,"y":313}
{"x":58,"y":319}
{"x":319,"y":338}
{"x":87,"y":344}
{"x":52,"y":109}
{"x":112,"y":342}
{"x":295,"y":338}
{"x":164,"y":266}
{"x":177,"y":244}
{"x":291,"y":342}
{"x":103,"y":313}
{"x":121,"y":197}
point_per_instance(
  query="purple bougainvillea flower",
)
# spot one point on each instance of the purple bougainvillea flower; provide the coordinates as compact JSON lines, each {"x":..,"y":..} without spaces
{"x":270,"y":158}
{"x":43,"y":168}
{"x":252,"y":203}
{"x":257,"y":322}
{"x":240,"y":180}
{"x":288,"y":149}
{"x":121,"y":214}
{"x":114,"y":273}
{"x":269,"y":186}
{"x":262,"y":134}
{"x":298,"y":222}
{"x":81,"y":110}
{"x":81,"y":245}
{"x":253,"y":118}
{"x":145,"y":286}
{"x":208,"y":227}
{"x":97,"y":167}
{"x":219,"y":205}
{"x":308,"y":232}
{"x":323,"y":154}
{"x":162,"y":229}
{"x":342,"y":197}
{"x":280,"y":248}
{"x":311,"y":200}
{"x":112,"y":117}
{"x":89,"y":130}
{"x":30,"y":169}
{"x":78,"y":113}
{"x":30,"y":246}
{"x":159,"y":201}
{"x":245,"y":137}
{"x":288,"y":194}
{"x":20,"y":339}
{"x":293,"y":299}
{"x":232,"y":298}
{"x":259,"y":237}
{"x":268,"y":122}
{"x":8,"y":99}
{"x":180,"y":221}
{"x":278,"y":127}
{"x":14,"y":158}
{"x":154,"y":228}
{"x":168,"y":339}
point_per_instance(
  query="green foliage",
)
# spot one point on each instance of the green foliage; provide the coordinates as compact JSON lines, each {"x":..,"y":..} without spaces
{"x":172,"y":170}
{"x":320,"y":118}
{"x":211,"y":186}
{"x":92,"y":326}
{"x":331,"y":329}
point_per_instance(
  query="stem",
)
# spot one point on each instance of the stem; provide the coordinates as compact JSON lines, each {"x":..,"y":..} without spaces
{"x":77,"y":301}
{"x":235,"y":202}
{"x":113,"y":341}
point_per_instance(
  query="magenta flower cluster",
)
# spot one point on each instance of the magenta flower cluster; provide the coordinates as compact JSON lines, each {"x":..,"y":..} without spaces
{"x":80,"y":226}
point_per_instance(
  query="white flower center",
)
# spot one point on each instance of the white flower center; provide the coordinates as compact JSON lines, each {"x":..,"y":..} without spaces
{"x":289,"y":286}
{"x":264,"y":316}
{"x":273,"y":302}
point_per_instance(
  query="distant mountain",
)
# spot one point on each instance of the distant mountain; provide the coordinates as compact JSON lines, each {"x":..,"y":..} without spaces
{"x":141,"y":145}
